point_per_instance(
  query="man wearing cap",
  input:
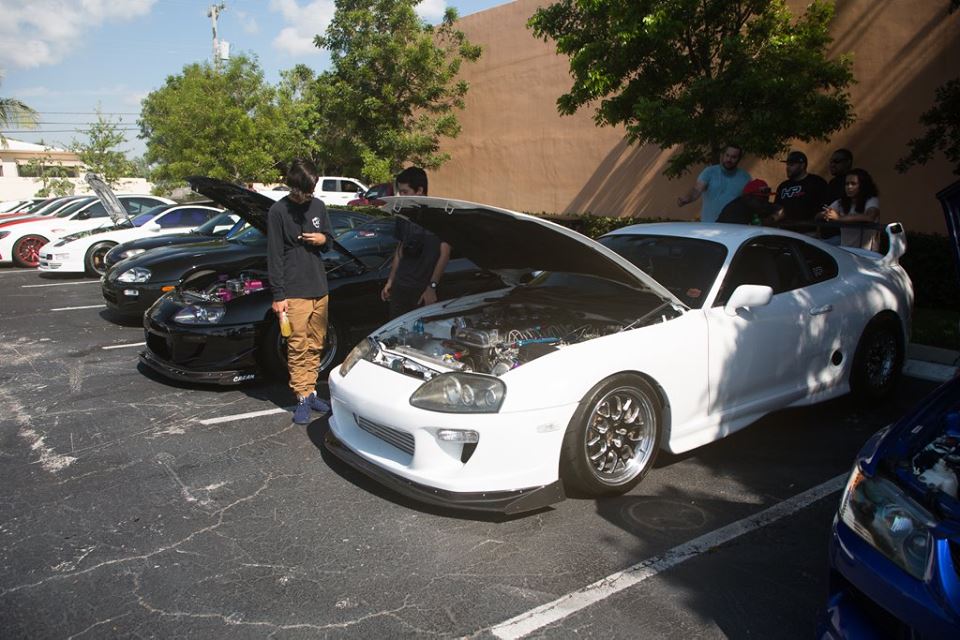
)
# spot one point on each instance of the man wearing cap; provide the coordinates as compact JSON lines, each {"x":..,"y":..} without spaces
{"x":718,"y":183}
{"x":802,"y":195}
{"x":752,"y":207}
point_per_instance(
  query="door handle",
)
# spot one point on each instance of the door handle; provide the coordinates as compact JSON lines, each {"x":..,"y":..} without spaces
{"x":817,"y":311}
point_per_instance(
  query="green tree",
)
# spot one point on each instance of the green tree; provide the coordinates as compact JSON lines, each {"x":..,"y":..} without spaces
{"x":393,"y":93}
{"x":942,"y":123}
{"x":695,"y":74}
{"x":100,"y":154}
{"x":214,"y":123}
{"x":15,"y":114}
{"x":52,"y":175}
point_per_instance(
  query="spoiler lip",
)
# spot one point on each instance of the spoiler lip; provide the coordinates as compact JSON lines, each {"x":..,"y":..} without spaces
{"x":898,"y":243}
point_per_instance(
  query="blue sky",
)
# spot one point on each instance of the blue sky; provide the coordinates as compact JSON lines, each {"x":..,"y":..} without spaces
{"x":66,"y":57}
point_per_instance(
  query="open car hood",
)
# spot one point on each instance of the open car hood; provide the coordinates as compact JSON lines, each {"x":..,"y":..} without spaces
{"x":249,"y":205}
{"x":507,"y":242}
{"x":108,"y":198}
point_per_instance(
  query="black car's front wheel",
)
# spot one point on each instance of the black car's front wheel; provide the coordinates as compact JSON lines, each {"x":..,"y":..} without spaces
{"x":273,"y":351}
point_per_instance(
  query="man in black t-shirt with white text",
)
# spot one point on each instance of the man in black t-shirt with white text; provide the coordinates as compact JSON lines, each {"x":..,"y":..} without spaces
{"x":802,"y":195}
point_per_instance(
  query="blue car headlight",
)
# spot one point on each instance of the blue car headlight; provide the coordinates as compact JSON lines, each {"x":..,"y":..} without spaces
{"x":137,"y":274}
{"x":366,"y":350}
{"x":206,"y":314}
{"x":883,"y":515}
{"x":459,"y":392}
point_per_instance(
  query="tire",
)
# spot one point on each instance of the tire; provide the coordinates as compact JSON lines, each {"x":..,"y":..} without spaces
{"x":94,"y":262}
{"x":273,"y":351}
{"x":26,"y":251}
{"x":613,"y":438}
{"x":878,"y":361}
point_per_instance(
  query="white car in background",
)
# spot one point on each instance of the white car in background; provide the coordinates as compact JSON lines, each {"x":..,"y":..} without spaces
{"x":84,"y":252}
{"x":656,"y":336}
{"x":20,"y":241}
{"x":334,"y":190}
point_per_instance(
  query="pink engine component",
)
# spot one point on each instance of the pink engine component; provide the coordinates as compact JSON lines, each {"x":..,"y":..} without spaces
{"x":227,"y":290}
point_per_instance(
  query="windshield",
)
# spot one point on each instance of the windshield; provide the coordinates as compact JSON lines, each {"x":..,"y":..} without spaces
{"x":687,"y":267}
{"x":226,"y":219}
{"x":249,"y":235}
{"x":35,"y":206}
{"x":72,"y":207}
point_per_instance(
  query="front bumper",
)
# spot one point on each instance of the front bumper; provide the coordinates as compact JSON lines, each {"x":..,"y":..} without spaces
{"x":131,"y":299}
{"x":507,"y":502}
{"x":517,"y":452}
{"x":870,"y":597}
{"x":50,"y":260}
{"x":173,"y":372}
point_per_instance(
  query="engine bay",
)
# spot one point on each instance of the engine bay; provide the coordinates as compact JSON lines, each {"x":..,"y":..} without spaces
{"x":499,"y":337}
{"x":937,"y":465}
{"x":220,"y":287}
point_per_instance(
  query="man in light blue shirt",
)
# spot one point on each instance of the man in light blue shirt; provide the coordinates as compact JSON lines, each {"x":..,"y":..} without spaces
{"x":719,"y":184}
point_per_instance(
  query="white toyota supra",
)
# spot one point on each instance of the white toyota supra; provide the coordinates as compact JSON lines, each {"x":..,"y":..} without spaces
{"x":657,"y":336}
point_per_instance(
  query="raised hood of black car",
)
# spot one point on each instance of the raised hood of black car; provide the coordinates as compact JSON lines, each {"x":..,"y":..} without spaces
{"x":501,"y":240}
{"x":249,"y":205}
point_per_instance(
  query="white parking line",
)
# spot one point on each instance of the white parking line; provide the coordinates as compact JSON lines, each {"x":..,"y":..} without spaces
{"x":243,"y":416}
{"x":58,"y":284}
{"x":564,"y":606}
{"x":91,"y":306}
{"x":124,"y":346}
{"x":5,"y":271}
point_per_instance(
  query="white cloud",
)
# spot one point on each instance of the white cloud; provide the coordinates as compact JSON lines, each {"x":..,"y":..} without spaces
{"x":43,"y":32}
{"x":431,"y":10}
{"x":248,"y":23}
{"x":304,"y":22}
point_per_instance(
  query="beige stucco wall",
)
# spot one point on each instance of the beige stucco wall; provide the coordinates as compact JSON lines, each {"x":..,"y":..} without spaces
{"x":515,"y":151}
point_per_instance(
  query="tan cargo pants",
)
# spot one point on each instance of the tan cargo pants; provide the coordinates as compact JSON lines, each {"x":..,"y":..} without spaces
{"x":308,"y":319}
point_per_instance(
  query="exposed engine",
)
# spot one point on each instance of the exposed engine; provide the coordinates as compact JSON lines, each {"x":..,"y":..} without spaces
{"x":497,"y":338}
{"x":223,"y":288}
{"x":938,"y":464}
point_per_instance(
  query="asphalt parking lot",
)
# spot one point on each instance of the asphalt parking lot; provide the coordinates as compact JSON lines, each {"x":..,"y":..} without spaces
{"x":131,"y":507}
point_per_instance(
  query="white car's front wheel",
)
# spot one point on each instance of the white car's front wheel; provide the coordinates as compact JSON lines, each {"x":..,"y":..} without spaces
{"x":95,"y":261}
{"x":613,"y":438}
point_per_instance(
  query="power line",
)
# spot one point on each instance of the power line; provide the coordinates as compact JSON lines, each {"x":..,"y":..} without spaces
{"x":89,"y":113}
{"x":41,"y":131}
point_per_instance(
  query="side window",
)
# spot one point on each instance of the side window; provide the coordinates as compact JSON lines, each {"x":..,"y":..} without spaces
{"x":769,"y":261}
{"x":171,"y":219}
{"x":349,"y":187}
{"x":95,"y":210}
{"x":329,"y":185}
{"x":820,"y":265}
{"x":194,"y":217}
{"x":139,"y":205}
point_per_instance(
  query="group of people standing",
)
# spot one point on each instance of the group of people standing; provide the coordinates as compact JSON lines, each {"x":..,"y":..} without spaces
{"x":298,"y":230}
{"x":801,"y":202}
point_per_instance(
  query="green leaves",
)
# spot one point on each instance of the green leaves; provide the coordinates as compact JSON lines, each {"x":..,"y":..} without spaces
{"x":694,"y":74}
{"x":100,"y":154}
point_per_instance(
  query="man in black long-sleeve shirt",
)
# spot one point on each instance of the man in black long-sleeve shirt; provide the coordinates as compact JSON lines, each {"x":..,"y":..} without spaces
{"x":297,"y":228}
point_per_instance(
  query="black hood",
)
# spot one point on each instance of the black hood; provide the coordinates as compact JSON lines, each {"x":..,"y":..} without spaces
{"x":249,"y":205}
{"x":171,"y":262}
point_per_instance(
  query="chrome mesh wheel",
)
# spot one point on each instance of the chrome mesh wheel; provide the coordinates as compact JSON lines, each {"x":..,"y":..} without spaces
{"x":621,"y":434}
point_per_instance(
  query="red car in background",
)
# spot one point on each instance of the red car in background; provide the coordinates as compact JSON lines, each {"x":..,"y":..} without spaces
{"x":372,"y":196}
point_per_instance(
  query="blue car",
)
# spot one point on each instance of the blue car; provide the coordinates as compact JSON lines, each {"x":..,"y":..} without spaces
{"x":895,"y":545}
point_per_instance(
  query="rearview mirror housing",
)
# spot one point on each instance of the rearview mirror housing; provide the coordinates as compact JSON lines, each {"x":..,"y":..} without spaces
{"x":748,"y":295}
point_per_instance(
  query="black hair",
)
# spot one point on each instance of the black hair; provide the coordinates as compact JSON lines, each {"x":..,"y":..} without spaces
{"x":734,"y":145}
{"x":414,"y":177}
{"x":302,"y":177}
{"x":868,"y":189}
{"x":846,"y":153}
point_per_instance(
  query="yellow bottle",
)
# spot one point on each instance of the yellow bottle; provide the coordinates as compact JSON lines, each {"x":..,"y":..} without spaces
{"x":285,"y":328}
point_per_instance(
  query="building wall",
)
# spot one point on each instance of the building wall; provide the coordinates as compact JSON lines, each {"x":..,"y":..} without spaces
{"x":515,"y":151}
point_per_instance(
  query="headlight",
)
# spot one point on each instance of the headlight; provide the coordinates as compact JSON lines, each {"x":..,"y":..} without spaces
{"x":130,"y":253}
{"x":880,"y":513}
{"x":461,"y":393}
{"x":363,"y":351}
{"x":4,"y":234}
{"x":207,"y":314}
{"x":137,"y":274}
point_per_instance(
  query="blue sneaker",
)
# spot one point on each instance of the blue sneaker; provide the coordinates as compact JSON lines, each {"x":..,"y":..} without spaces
{"x":318,"y":405}
{"x":301,"y":415}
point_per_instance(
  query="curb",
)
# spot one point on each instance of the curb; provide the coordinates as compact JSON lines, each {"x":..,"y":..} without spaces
{"x":931,"y":363}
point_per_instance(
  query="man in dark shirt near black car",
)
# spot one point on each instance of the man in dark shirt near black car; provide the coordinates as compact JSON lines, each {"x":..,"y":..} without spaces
{"x":802,"y":195}
{"x":297,"y":228}
{"x":420,"y":257}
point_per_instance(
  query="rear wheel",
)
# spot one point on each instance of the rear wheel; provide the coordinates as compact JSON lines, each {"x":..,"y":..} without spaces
{"x":95,"y":260}
{"x":273,"y":351}
{"x":878,"y":360}
{"x":613,"y":438}
{"x":26,"y":250}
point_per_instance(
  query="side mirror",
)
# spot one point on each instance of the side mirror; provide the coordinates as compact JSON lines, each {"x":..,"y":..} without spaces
{"x":748,"y":295}
{"x":83,"y":215}
{"x":153,"y":226}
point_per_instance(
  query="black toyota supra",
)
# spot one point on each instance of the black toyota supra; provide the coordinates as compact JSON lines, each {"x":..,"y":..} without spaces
{"x":216,"y":325}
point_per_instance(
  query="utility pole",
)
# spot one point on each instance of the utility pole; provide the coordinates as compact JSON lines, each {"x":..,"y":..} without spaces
{"x":213,"y":14}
